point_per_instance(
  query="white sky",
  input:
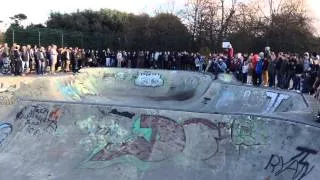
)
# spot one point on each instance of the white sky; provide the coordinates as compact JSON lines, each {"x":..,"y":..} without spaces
{"x":39,"y":10}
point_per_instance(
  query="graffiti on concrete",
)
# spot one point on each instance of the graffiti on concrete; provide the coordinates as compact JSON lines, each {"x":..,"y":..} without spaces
{"x":149,"y":79}
{"x":102,"y":132}
{"x":275,"y":100}
{"x":10,"y":88}
{"x":298,"y":165}
{"x":5,"y":131}
{"x":206,"y":100}
{"x":76,"y":89}
{"x":154,"y":138}
{"x":160,"y":135}
{"x":6,"y":99}
{"x":124,"y":76}
{"x":248,"y":131}
{"x":39,"y":118}
{"x":125,"y":114}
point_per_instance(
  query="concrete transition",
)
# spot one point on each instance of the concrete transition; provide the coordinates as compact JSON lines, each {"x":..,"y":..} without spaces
{"x":137,"y":124}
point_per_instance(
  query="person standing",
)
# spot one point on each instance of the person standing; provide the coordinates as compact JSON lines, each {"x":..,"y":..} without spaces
{"x":75,"y":56}
{"x":255,"y":60}
{"x":53,"y":58}
{"x":5,"y":55}
{"x":306,"y":62}
{"x":32,"y":62}
{"x":66,"y":56}
{"x":245,"y":70}
{"x":272,"y":70}
{"x":265,"y":72}
{"x":41,"y":58}
{"x":284,"y":71}
{"x":259,"y":68}
{"x":108,"y":58}
{"x":279,"y":75}
{"x":17,"y":61}
{"x":25,"y":59}
{"x":298,"y":73}
{"x":119,"y":59}
{"x":140,"y":62}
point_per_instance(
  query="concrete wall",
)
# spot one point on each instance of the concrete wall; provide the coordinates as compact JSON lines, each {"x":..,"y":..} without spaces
{"x":74,"y":141}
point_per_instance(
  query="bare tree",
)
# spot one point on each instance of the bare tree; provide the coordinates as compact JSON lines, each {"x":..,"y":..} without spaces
{"x":208,"y":20}
{"x":169,"y":8}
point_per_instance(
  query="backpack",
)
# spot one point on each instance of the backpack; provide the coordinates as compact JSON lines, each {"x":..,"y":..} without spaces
{"x":259,"y":66}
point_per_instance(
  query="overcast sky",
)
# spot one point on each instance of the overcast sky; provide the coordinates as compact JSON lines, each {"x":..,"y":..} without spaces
{"x":39,"y":10}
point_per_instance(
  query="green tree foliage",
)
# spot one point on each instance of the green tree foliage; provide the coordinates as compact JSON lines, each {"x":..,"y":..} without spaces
{"x":111,"y":28}
{"x":18,"y":18}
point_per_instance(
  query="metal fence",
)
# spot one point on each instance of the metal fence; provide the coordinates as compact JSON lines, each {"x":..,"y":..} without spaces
{"x":45,"y":37}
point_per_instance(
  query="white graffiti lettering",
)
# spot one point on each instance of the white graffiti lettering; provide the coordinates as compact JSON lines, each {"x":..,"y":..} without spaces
{"x":149,"y":80}
{"x":275,"y":101}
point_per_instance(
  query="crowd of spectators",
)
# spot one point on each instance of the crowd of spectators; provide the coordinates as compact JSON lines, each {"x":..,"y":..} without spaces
{"x":288,"y":71}
{"x":267,"y":68}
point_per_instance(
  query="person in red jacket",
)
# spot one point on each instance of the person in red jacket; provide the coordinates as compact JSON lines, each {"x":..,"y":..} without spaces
{"x":255,"y":60}
{"x":230,"y":56}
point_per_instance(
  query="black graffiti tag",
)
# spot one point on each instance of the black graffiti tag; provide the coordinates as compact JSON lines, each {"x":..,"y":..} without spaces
{"x":297,"y":164}
{"x":39,"y":118}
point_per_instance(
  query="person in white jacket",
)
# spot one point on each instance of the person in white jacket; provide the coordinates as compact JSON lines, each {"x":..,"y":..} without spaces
{"x":119,"y":58}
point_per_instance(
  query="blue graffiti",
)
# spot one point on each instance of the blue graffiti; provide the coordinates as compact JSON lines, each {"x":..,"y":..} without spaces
{"x":69,"y":91}
{"x":5,"y":131}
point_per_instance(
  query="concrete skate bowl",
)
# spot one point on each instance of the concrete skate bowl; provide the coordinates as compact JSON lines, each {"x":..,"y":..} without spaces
{"x":172,"y":90}
{"x":63,"y":141}
{"x":93,"y":84}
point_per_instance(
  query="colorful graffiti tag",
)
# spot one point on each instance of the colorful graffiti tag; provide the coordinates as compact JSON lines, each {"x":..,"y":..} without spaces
{"x":5,"y":131}
{"x":151,"y":138}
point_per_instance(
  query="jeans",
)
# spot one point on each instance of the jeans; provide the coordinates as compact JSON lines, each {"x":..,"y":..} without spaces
{"x":108,"y":62}
{"x":25,"y":66}
{"x":296,"y":83}
{"x":285,"y":81}
{"x":272,"y":79}
{"x":41,"y":67}
{"x":279,"y":80}
{"x":244,"y":78}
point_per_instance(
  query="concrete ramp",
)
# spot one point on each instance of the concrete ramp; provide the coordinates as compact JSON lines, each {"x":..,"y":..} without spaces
{"x":141,"y":124}
{"x":73,"y":141}
{"x":172,"y":90}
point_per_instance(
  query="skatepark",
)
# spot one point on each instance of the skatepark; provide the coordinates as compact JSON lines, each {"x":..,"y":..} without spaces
{"x":112,"y":123}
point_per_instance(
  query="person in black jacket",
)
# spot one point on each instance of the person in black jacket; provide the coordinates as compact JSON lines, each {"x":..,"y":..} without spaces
{"x":272,"y":70}
{"x":17,"y":61}
{"x":278,"y":67}
{"x":298,"y":70}
{"x":75,"y":60}
{"x":316,"y":85}
{"x":291,"y":69}
{"x":284,"y":71}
